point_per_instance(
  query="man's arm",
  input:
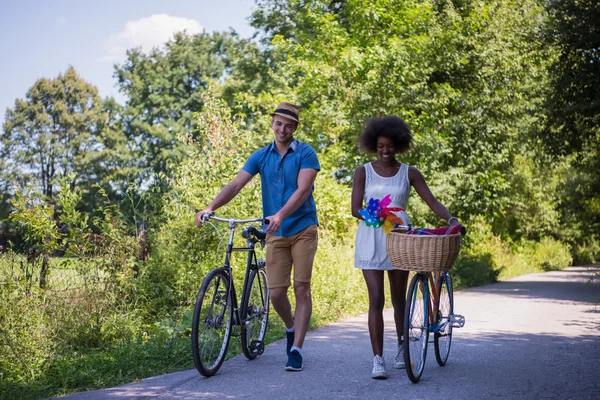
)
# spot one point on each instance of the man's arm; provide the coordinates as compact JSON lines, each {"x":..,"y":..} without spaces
{"x":306,"y":179}
{"x":226,"y":194}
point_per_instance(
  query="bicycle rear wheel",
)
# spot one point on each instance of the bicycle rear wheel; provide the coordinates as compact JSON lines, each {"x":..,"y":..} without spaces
{"x":211,"y":328}
{"x":255,"y":314}
{"x":416,"y":327}
{"x":443,"y":338}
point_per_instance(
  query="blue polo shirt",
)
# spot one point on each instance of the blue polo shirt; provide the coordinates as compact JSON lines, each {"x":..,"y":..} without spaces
{"x":279,"y":179}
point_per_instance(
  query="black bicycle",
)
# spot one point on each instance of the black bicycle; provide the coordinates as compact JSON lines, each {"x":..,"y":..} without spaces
{"x":217,"y":310}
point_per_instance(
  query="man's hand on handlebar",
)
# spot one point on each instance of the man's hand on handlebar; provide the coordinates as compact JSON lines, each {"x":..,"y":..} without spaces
{"x":274,"y":222}
{"x":202,"y":216}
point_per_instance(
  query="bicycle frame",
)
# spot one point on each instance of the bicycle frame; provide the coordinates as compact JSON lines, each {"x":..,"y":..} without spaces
{"x":434,"y":301}
{"x":435,"y":280}
{"x":251,"y":262}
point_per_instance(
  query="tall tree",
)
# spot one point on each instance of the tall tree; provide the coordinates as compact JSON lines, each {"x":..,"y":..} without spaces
{"x":53,"y":132}
{"x":469,"y":77}
{"x":165,"y":87}
{"x":574,"y":106}
{"x":573,"y":110}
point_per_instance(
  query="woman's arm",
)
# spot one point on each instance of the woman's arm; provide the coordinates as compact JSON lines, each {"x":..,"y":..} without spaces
{"x":418,"y":182}
{"x":358,"y":191}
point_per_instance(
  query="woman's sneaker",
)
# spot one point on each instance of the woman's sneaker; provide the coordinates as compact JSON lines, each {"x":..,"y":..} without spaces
{"x":399,"y":360}
{"x":379,"y":371}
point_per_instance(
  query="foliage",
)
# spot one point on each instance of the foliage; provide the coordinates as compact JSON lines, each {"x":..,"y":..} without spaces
{"x":574,"y":105}
{"x":552,"y":255}
{"x":573,"y":115}
{"x":37,"y":218}
{"x":182,"y":255}
{"x":62,"y":129}
{"x":53,"y":132}
{"x":468,"y":77}
{"x":81,"y":301}
{"x":165,"y":88}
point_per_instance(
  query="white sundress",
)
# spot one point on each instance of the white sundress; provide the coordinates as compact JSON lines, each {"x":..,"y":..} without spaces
{"x":369,"y":249}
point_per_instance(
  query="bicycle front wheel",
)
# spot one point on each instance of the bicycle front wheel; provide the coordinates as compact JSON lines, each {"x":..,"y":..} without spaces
{"x":416,"y":327}
{"x":443,"y":338}
{"x":255,"y":314}
{"x":211,"y":328}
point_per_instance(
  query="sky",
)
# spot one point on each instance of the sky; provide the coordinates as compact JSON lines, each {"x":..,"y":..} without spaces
{"x":42,"y":38}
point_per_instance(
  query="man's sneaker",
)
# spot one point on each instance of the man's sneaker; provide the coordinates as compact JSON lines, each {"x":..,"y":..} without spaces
{"x":399,"y":360}
{"x":290,"y":342}
{"x":379,"y":371}
{"x":294,"y":361}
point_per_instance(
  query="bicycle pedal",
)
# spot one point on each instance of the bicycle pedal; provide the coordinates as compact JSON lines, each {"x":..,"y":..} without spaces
{"x":457,"y":321}
{"x":259,"y":346}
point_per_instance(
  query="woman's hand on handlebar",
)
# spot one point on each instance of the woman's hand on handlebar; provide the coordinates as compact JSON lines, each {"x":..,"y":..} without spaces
{"x":202,"y":216}
{"x":454,"y":221}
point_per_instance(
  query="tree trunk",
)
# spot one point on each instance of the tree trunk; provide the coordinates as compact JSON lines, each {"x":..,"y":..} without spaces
{"x":44,"y":271}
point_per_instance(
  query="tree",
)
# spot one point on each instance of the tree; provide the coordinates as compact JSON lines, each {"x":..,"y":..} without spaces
{"x":572,"y":131}
{"x":53,"y":132}
{"x":165,"y":87}
{"x":469,"y":77}
{"x":574,"y":106}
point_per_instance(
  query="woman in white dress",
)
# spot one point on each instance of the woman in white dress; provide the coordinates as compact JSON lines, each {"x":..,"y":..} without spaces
{"x":386,"y":137}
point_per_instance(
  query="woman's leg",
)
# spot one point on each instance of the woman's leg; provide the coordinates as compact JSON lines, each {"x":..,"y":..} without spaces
{"x":398,"y":280}
{"x":374,"y":281}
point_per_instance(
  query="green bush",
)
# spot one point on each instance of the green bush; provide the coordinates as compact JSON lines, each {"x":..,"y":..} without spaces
{"x":587,"y":252}
{"x":552,"y":255}
{"x":474,"y":271}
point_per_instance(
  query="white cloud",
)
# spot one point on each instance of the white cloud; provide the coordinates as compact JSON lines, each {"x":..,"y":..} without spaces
{"x":61,"y":21}
{"x":147,"y":33}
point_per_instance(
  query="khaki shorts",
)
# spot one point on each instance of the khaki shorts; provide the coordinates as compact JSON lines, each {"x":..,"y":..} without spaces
{"x":283,"y":251}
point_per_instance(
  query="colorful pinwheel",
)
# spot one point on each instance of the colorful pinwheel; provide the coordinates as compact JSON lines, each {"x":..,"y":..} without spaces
{"x":378,"y":214}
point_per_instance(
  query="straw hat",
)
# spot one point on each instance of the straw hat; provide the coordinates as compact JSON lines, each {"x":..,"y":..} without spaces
{"x":287,"y":110}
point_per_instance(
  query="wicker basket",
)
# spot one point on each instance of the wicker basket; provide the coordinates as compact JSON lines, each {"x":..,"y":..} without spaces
{"x":428,"y":253}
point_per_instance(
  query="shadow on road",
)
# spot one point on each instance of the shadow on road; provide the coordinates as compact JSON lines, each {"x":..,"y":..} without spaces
{"x":562,"y":286}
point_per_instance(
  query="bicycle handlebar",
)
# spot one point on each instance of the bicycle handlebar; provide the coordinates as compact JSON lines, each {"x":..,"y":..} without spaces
{"x":211,"y":215}
{"x":404,"y":228}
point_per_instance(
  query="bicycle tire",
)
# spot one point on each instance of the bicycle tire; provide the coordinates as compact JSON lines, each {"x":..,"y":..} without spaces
{"x":443,"y":338}
{"x":416,"y":327}
{"x":255,"y":314}
{"x":211,"y":327}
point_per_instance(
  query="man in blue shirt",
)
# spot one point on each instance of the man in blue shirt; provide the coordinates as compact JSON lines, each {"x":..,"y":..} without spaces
{"x":287,"y":169}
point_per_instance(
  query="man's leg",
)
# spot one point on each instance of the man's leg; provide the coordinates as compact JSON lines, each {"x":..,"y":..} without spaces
{"x":282,"y":305}
{"x":279,"y":267}
{"x":303,"y":311}
{"x":303,"y":249}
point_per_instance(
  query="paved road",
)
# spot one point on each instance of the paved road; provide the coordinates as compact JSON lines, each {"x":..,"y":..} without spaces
{"x":536,"y":336}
